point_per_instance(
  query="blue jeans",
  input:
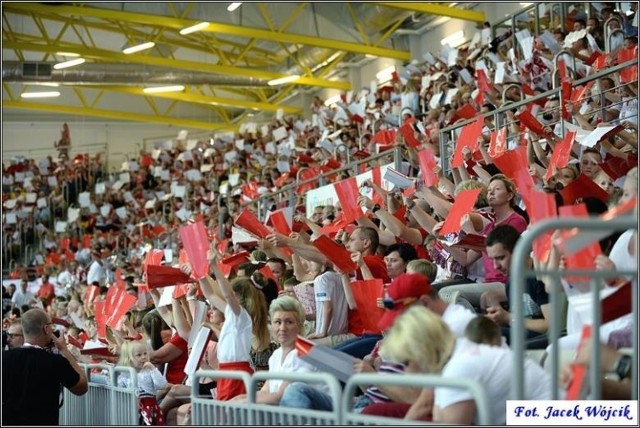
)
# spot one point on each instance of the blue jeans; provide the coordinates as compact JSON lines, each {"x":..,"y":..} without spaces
{"x":359,"y":347}
{"x":304,"y":396}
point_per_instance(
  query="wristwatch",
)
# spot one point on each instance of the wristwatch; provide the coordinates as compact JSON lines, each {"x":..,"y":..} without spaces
{"x":375,"y":208}
{"x":623,"y":366}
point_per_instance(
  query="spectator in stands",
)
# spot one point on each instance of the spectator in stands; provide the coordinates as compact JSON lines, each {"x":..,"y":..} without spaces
{"x":96,"y":272}
{"x":287,"y":321}
{"x":245,"y":327}
{"x":500,"y":243}
{"x":22,"y":297}
{"x":278,"y":268}
{"x":365,"y":240}
{"x":46,"y":292}
{"x":426,"y":343}
{"x":331,"y":310}
{"x":15,"y":337}
{"x":34,"y":376}
{"x":149,"y":380}
{"x":483,"y":330}
{"x":170,"y":349}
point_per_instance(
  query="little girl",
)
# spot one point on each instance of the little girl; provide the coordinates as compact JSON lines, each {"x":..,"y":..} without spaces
{"x":134,"y":354}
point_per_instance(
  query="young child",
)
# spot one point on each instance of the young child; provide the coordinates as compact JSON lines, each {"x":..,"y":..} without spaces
{"x":134,"y":354}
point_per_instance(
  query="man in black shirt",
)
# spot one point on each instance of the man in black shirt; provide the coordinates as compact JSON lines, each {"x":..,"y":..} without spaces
{"x":32,"y":376}
{"x":500,"y":243}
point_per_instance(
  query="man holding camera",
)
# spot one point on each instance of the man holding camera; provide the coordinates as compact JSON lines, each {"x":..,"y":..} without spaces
{"x":32,"y":376}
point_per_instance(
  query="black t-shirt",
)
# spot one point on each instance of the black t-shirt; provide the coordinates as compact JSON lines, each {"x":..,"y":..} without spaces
{"x":537,"y":297}
{"x":31,"y":379}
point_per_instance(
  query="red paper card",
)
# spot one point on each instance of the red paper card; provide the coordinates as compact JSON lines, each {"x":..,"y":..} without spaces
{"x":498,"y":143}
{"x":98,"y":312}
{"x":514,"y":164}
{"x":531,"y":123}
{"x":266,"y":271}
{"x":483,"y":81}
{"x":544,"y":207}
{"x":308,"y":174}
{"x":577,"y":389}
{"x":617,"y":304}
{"x":562,"y":69}
{"x":164,"y":276}
{"x":629,"y":74}
{"x":251,"y":224}
{"x":279,"y":222}
{"x":333,"y":228}
{"x":366,"y":294}
{"x":60,"y":321}
{"x":465,"y":112}
{"x":196,"y":244}
{"x":119,"y":280}
{"x":348,"y":193}
{"x":336,"y":253}
{"x":385,"y":137}
{"x":120,"y":305}
{"x":90,"y":294}
{"x":561,"y":153}
{"x":566,"y":96}
{"x":303,"y":346}
{"x":428,"y":165}
{"x":180,"y":290}
{"x":468,"y":138}
{"x":585,"y":258}
{"x":617,"y":167}
{"x":463,"y":205}
{"x":582,"y":187}
{"x":408,"y":133}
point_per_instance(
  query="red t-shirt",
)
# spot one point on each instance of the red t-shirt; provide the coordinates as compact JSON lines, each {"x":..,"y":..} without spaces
{"x":377,"y":266}
{"x":175,"y":368}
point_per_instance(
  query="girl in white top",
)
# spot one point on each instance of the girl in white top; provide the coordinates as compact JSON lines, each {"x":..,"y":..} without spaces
{"x":245,"y":326}
{"x":135,"y":354}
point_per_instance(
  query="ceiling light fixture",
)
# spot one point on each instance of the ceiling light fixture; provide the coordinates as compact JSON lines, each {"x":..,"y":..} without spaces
{"x":194,"y":28}
{"x":67,"y":64}
{"x":70,"y":54}
{"x":454,"y":40}
{"x":45,"y":94}
{"x":234,"y":6}
{"x":158,"y":89}
{"x":138,"y":48}
{"x":283,"y":80}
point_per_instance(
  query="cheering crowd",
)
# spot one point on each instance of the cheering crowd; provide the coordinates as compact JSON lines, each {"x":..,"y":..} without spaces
{"x":371,"y":275}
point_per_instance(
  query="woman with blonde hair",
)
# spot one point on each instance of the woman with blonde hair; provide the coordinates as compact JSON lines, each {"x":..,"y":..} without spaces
{"x":425,"y":343}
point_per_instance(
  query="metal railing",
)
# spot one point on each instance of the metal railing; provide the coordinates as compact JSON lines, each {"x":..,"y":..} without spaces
{"x":519,"y":274}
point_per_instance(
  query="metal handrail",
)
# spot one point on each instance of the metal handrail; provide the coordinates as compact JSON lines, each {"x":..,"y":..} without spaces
{"x":509,"y":86}
{"x":518,"y":276}
{"x":607,"y":38}
{"x":511,"y":106}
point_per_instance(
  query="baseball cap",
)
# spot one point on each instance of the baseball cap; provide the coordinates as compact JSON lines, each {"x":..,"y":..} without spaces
{"x":403,"y":291}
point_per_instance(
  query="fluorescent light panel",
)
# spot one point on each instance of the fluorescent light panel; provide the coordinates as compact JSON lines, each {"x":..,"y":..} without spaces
{"x":283,"y":80}
{"x":69,"y":54}
{"x":138,"y":48}
{"x":194,"y":28}
{"x":234,"y":6}
{"x":43,"y":94}
{"x":158,"y":89}
{"x":67,"y":64}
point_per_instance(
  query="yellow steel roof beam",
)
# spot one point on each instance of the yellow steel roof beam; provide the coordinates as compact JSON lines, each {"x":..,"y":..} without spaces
{"x":104,"y":55}
{"x":118,"y":115}
{"x":215,"y":28}
{"x":199,"y":99}
{"x":439,"y":9}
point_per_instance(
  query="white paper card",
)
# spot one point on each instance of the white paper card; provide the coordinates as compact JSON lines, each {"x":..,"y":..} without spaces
{"x":206,"y":168}
{"x":279,"y":114}
{"x":101,"y":188}
{"x":105,"y":210}
{"x":31,"y":198}
{"x":52,"y":180}
{"x":122,"y":212}
{"x":41,"y":203}
{"x":61,"y":226}
{"x":279,"y":133}
{"x":450,"y":94}
{"x":234,"y":179}
{"x":150,"y":204}
{"x":84,"y":199}
{"x":191,"y":143}
{"x":73,"y":214}
{"x":500,"y":72}
{"x":179,"y":191}
{"x":435,"y":100}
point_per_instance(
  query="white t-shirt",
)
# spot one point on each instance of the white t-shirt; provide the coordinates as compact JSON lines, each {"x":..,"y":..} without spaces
{"x":457,"y":317}
{"x":328,"y":287}
{"x":96,"y":273}
{"x":292,"y":364}
{"x":491,"y":367}
{"x":234,"y":344}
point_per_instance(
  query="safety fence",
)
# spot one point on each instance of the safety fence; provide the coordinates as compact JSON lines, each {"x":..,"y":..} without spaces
{"x":104,"y":403}
{"x":207,"y":411}
{"x":519,"y":274}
